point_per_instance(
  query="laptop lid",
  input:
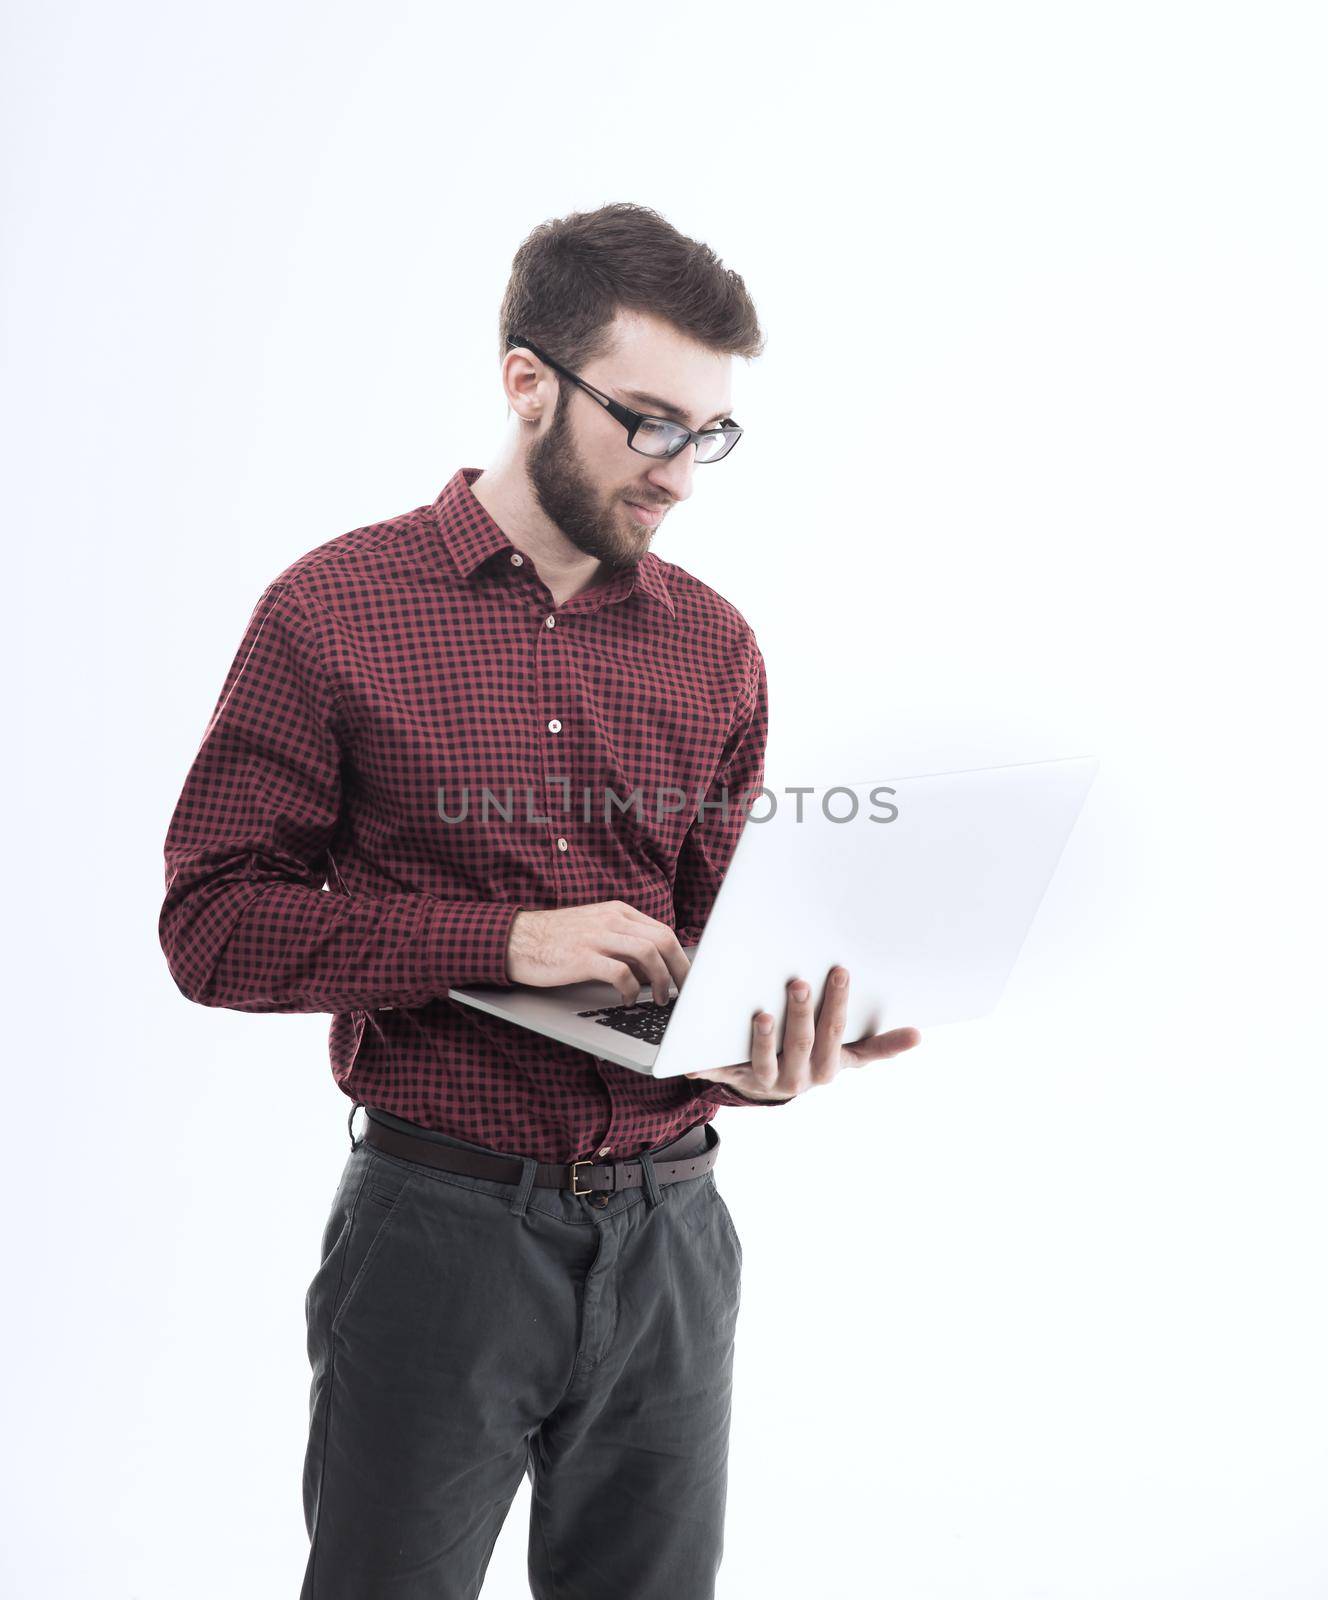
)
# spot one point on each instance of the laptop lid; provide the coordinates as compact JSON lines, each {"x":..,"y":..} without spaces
{"x":924,"y":887}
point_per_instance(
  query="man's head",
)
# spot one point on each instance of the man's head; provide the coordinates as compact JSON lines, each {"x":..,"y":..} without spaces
{"x":650,"y":318}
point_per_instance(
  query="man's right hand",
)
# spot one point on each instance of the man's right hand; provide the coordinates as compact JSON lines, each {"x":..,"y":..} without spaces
{"x":609,"y":941}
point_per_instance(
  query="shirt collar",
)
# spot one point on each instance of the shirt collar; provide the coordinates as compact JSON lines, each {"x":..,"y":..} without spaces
{"x":471,"y":537}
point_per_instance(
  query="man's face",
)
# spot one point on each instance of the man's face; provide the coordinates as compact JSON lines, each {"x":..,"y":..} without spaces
{"x":581,"y":468}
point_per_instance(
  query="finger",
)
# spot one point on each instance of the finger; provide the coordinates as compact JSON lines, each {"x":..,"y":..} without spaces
{"x":878,"y":1046}
{"x":799,"y":1036}
{"x":664,"y":938}
{"x":643,"y":953}
{"x":674,"y":956}
{"x":830,"y":1020}
{"x":621,"y":951}
{"x":765,"y":1060}
{"x":619,"y":974}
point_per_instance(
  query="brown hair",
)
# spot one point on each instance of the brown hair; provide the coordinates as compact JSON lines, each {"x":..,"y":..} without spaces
{"x":573,"y":274}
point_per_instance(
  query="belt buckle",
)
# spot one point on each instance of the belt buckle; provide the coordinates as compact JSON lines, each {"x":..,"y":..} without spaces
{"x":575,"y":1165}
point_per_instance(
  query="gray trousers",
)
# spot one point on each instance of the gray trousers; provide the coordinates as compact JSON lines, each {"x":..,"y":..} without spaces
{"x":464,"y":1332}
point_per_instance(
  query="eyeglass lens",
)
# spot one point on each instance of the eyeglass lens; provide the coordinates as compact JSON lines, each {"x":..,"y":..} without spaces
{"x":654,"y":438}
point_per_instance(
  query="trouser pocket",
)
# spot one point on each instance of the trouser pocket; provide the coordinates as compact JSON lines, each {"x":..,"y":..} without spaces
{"x":368,"y":1202}
{"x":726,"y":1216}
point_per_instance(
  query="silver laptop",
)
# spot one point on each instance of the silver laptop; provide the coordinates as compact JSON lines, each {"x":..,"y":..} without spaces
{"x":924,"y":887}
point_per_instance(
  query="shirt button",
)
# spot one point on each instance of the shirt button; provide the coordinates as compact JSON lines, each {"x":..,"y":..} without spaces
{"x":606,"y":1149}
{"x":555,"y":726}
{"x":562,"y":844}
{"x":517,"y":558}
{"x":548,"y":621}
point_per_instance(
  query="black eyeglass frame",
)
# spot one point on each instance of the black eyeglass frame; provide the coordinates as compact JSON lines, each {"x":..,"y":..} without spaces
{"x":632,"y":420}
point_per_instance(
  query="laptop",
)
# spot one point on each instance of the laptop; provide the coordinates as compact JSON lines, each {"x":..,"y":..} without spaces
{"x":924,"y":887}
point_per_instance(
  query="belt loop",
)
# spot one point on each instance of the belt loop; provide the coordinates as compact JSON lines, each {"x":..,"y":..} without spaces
{"x":649,"y":1176}
{"x":354,"y":1143}
{"x":518,"y":1205}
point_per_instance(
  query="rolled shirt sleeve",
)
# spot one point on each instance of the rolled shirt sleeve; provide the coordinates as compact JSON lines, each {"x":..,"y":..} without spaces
{"x":724,"y":1094}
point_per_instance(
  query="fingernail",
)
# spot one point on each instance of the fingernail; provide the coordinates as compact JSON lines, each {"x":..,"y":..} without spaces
{"x":764,"y":1025}
{"x":801,"y":991}
{"x":839,"y":977}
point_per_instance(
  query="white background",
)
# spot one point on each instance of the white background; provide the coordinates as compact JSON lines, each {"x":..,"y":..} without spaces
{"x":1034,"y":467}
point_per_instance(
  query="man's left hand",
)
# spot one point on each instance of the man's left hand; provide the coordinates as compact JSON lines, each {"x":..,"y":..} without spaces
{"x":813,"y":1052}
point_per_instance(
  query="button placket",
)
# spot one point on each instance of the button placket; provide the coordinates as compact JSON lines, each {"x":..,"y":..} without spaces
{"x":553,"y":725}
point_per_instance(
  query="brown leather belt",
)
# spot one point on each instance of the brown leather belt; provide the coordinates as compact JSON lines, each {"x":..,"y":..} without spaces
{"x":691,"y":1154}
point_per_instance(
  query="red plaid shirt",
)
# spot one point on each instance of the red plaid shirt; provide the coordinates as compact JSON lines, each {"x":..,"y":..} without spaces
{"x":384,"y":681}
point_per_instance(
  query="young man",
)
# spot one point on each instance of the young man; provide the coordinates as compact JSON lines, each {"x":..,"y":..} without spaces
{"x":527,"y":1267}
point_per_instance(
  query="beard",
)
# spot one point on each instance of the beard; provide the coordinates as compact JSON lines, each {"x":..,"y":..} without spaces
{"x":596,"y":526}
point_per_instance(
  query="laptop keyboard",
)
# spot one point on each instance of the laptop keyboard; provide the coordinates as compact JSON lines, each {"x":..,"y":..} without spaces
{"x":644,"y":1020}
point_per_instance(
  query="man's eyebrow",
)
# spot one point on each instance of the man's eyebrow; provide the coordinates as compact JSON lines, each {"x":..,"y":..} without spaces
{"x":666,"y":406}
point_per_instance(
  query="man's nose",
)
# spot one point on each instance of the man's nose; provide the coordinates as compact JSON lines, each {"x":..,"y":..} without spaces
{"x":673,"y":475}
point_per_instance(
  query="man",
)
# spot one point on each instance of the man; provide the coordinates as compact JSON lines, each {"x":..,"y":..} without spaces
{"x":527,"y":1267}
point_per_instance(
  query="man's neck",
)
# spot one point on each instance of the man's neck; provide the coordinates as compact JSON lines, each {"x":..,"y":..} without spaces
{"x":504,"y":492}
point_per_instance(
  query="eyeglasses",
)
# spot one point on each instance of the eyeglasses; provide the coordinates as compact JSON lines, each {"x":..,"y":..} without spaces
{"x":649,"y":436}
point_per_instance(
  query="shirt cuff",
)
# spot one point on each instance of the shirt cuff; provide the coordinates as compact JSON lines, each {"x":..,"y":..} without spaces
{"x":724,"y":1094}
{"x":468,"y":943}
